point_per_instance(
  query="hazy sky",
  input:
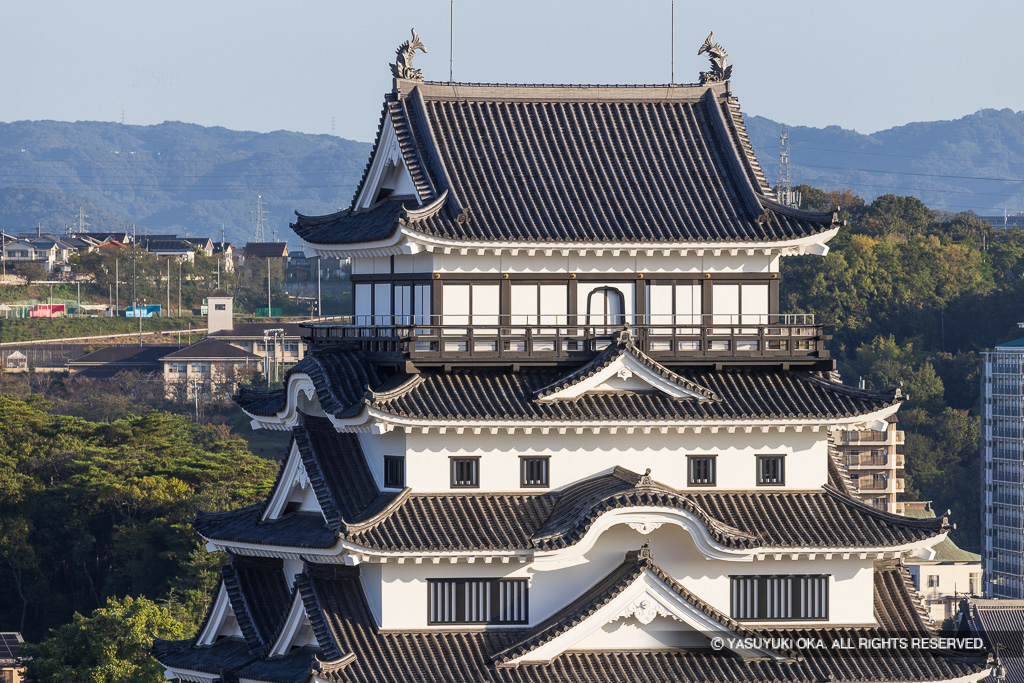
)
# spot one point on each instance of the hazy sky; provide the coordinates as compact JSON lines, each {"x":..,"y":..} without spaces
{"x":295,"y":65}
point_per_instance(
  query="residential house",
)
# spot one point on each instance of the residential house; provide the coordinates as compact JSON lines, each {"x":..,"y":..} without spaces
{"x":947,"y":576}
{"x":210,"y":366}
{"x":12,"y":667}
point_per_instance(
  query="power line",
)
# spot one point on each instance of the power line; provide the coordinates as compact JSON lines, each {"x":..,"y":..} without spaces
{"x":914,"y":173}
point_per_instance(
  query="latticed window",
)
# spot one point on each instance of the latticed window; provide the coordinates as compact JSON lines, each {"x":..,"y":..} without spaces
{"x":780,"y":597}
{"x":465,"y":472}
{"x":478,"y":601}
{"x":534,"y":471}
{"x":394,"y":471}
{"x":701,"y":470}
{"x":771,"y":470}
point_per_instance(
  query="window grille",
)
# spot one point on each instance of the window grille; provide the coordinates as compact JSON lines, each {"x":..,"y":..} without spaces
{"x":465,"y":472}
{"x":534,"y":471}
{"x":394,"y":471}
{"x":771,"y":470}
{"x":478,"y":601}
{"x":701,"y":470}
{"x":780,"y":597}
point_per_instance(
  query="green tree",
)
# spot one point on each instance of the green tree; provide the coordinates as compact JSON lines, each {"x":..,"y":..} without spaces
{"x":111,"y":645}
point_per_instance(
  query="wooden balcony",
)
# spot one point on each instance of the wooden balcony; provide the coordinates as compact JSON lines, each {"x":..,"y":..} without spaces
{"x":498,"y":340}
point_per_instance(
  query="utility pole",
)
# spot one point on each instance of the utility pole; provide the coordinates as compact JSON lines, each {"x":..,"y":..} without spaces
{"x":168,"y":285}
{"x":4,"y":256}
{"x":179,"y":289}
{"x":319,"y":299}
{"x":138,"y":314}
{"x":117,"y":290}
{"x":268,"y":286}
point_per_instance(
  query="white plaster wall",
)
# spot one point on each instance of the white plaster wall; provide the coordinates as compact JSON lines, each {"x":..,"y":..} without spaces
{"x":376,"y":446}
{"x":372,"y":580}
{"x":556,"y":582}
{"x":577,"y":456}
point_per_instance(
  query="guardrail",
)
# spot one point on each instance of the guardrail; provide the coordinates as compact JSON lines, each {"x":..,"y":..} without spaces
{"x":490,"y":338}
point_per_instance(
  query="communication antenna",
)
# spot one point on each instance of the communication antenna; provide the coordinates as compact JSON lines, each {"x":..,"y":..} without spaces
{"x":451,"y":42}
{"x":672,"y":49}
{"x":332,"y":125}
{"x":783,"y":186}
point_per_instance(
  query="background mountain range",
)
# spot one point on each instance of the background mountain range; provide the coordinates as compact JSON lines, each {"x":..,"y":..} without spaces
{"x":178,"y":177}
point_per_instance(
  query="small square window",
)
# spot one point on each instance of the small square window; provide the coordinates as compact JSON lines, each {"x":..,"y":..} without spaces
{"x":701,"y":470}
{"x":394,"y":472}
{"x":465,"y":473}
{"x":220,"y":307}
{"x":771,"y":470}
{"x":533,"y":471}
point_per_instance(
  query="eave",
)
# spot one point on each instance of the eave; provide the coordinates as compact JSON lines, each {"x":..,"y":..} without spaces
{"x":408,"y":240}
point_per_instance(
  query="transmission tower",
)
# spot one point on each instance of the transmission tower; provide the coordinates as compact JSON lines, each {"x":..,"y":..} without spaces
{"x":80,"y":223}
{"x":260,"y":216}
{"x":783,"y":187}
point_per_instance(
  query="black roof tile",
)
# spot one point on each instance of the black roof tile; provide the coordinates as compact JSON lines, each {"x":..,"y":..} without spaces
{"x":552,"y":520}
{"x":347,"y":627}
{"x":259,"y":596}
{"x":584,"y":164}
{"x":211,"y":349}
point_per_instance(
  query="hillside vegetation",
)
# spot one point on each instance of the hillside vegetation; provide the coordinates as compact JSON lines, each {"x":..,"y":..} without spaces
{"x":172,"y":177}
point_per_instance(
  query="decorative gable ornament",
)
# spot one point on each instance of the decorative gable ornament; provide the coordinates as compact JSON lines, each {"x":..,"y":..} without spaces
{"x":402,"y":68}
{"x":627,"y":369}
{"x":716,"y":53}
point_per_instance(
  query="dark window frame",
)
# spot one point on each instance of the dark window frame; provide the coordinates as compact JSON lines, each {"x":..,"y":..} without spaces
{"x":494,"y":587}
{"x":452,"y":471}
{"x":400,"y":460}
{"x":760,"y":469}
{"x":761,"y":607}
{"x":714,"y":470}
{"x":522,"y":471}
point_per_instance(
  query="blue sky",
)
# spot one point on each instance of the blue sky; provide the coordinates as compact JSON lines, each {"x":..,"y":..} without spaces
{"x":866,"y":65}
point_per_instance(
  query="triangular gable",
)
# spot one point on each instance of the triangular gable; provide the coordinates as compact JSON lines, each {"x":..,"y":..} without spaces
{"x":221,"y":622}
{"x":296,"y":631}
{"x":623,"y":367}
{"x":637,"y":590}
{"x":387,"y":170}
{"x":294,"y":492}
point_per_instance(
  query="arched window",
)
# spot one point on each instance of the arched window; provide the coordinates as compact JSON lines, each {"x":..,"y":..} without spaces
{"x":606,"y":307}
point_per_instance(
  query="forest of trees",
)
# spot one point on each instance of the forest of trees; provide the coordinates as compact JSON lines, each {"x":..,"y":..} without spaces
{"x":95,"y":516}
{"x":914,"y":296}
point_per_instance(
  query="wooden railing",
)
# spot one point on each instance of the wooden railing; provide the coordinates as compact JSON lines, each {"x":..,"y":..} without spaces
{"x":793,"y":339}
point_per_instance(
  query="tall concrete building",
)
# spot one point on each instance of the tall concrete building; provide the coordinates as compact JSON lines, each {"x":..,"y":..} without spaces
{"x":1002,"y":453}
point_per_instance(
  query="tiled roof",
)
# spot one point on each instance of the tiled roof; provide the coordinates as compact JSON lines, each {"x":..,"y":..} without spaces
{"x":211,"y":349}
{"x":1002,"y":622}
{"x":147,"y":356}
{"x":266,"y":250}
{"x":345,"y":626}
{"x":339,"y":474}
{"x":344,"y":487}
{"x":430,"y":522}
{"x":591,"y":164}
{"x":259,"y":595}
{"x":10,"y":647}
{"x":503,"y":394}
{"x":341,"y":381}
